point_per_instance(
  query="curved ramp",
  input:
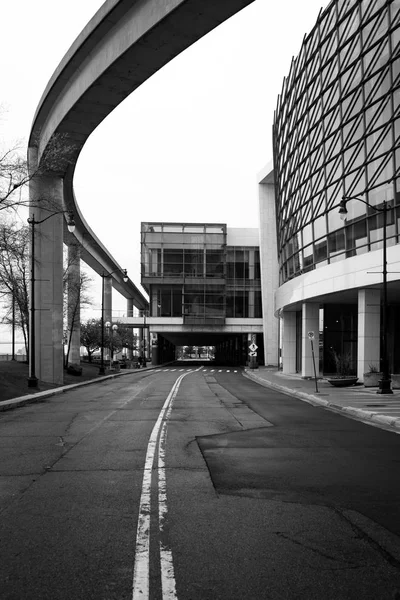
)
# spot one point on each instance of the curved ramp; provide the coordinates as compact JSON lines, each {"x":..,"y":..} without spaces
{"x":123,"y":45}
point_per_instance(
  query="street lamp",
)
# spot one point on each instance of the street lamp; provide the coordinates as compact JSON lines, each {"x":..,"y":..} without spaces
{"x":384,"y":383}
{"x":111,"y":329}
{"x":145,"y":313}
{"x":103,"y":275}
{"x":32,"y":379}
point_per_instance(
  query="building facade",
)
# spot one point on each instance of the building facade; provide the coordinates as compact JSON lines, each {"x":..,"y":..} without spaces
{"x":336,"y":134}
{"x":204,"y":287}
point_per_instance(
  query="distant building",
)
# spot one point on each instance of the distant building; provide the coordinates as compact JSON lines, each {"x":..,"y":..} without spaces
{"x":204,"y":286}
{"x":336,"y":134}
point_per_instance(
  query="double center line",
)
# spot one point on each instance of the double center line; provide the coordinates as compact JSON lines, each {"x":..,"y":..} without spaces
{"x":157,"y":444}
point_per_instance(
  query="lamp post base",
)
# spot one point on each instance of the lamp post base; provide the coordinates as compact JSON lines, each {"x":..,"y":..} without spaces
{"x":32,"y":382}
{"x":384,"y":386}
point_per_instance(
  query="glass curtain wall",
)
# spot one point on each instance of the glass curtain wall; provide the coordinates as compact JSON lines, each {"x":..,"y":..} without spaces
{"x":243,"y":296}
{"x":183,"y":270}
{"x":337,"y":133}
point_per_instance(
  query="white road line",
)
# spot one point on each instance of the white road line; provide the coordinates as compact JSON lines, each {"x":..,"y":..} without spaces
{"x":212,"y":370}
{"x":235,"y":371}
{"x":142,"y":549}
{"x":228,"y":371}
{"x":168,"y":585}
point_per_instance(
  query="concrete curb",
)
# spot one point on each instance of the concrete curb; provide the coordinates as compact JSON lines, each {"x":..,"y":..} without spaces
{"x":368,"y":417}
{"x":39,"y":396}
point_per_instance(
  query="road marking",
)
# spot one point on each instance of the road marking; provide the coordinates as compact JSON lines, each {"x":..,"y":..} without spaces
{"x":168,"y":586}
{"x":142,"y":549}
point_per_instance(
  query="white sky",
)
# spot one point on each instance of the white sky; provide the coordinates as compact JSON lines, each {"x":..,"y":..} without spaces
{"x":188,"y":144}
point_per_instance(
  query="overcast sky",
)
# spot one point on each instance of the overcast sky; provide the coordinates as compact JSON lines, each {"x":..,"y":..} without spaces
{"x":188,"y":144}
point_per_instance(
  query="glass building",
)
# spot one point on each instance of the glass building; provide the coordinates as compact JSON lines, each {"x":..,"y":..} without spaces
{"x":191,"y":273}
{"x":336,"y":134}
{"x":188,"y":270}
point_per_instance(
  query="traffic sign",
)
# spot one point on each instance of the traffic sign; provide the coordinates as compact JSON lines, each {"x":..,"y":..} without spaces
{"x":253,"y":347}
{"x":253,"y":353}
{"x":310,"y":335}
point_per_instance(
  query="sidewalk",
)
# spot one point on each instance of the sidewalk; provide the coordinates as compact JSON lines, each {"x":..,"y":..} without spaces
{"x":37,"y":396}
{"x":358,"y":402}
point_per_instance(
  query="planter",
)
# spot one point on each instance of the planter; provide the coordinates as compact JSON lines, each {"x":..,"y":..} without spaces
{"x":372,"y":379}
{"x":395,"y":381}
{"x":342,"y":381}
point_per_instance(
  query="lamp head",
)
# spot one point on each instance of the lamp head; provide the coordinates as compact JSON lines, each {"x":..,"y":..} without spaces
{"x":343,"y":209}
{"x":108,"y":324}
{"x":71,"y":222}
{"x":115,"y":327}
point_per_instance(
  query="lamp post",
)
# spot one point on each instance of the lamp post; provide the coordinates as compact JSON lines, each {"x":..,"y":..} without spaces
{"x":102,"y":369}
{"x":384,"y":383}
{"x":144,"y":336}
{"x":111,"y":329}
{"x":32,"y":379}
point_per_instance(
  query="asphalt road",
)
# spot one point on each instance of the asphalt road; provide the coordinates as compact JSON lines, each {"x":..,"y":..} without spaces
{"x":195,"y":485}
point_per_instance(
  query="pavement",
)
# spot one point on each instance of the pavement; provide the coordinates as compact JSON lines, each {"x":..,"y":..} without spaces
{"x":357,"y":401}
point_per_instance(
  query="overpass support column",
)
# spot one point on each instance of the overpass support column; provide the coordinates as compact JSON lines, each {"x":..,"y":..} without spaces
{"x":129,"y":307}
{"x":289,"y":342}
{"x":129,"y":313}
{"x":310,"y":322}
{"x":107,"y":308}
{"x":46,"y":198}
{"x":369,"y":328}
{"x":74,"y":304}
{"x":107,"y":299}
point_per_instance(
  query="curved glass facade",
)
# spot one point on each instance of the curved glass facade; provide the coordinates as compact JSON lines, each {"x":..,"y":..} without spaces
{"x":337,"y":133}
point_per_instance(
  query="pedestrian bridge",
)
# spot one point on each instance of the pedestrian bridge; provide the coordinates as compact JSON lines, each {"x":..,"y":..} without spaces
{"x":123,"y":45}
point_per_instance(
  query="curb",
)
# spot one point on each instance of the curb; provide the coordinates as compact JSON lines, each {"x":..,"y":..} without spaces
{"x":366,"y":416}
{"x":39,"y":396}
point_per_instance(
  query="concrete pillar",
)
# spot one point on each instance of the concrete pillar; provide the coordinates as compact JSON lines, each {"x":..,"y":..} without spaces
{"x":310,"y":322}
{"x":141,"y":346}
{"x":74,"y":303}
{"x":129,"y":307}
{"x":46,"y":198}
{"x":289,"y":342}
{"x":107,"y":299}
{"x":269,"y":268}
{"x":369,"y":330}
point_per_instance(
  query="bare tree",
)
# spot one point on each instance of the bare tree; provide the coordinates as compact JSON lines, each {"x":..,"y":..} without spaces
{"x":14,"y":276}
{"x":16,"y":173}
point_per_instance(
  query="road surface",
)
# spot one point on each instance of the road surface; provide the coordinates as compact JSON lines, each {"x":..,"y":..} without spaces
{"x":195,"y":483}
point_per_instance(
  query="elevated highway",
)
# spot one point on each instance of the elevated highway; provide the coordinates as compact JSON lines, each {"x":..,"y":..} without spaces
{"x":123,"y":45}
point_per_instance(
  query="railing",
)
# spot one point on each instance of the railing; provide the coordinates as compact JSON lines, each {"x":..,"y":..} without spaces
{"x":17,"y":357}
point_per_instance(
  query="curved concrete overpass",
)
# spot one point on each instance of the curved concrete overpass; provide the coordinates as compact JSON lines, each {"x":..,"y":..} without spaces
{"x":123,"y":45}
